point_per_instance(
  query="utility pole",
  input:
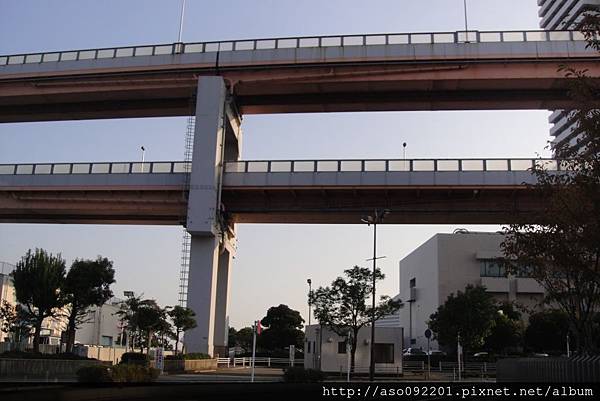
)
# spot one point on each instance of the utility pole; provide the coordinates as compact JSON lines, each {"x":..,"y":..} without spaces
{"x":254,"y":328}
{"x":309,"y":281}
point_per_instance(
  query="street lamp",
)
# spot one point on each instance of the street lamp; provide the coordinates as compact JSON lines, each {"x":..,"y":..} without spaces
{"x":374,"y":219}
{"x":309,"y":281}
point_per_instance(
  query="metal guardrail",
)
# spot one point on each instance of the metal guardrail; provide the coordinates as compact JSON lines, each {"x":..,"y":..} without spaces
{"x":287,"y":166}
{"x":295,"y":43}
{"x":399,"y":165}
{"x":94,"y":168}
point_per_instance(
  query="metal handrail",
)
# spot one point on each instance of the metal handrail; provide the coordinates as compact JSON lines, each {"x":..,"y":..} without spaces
{"x":391,"y":165}
{"x":289,"y":166}
{"x":296,"y":42}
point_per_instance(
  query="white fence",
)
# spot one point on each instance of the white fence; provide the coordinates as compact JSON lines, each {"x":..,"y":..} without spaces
{"x":259,"y":361}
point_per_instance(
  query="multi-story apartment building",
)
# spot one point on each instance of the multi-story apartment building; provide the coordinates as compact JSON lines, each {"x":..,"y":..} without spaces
{"x":556,"y":15}
{"x":445,"y":264}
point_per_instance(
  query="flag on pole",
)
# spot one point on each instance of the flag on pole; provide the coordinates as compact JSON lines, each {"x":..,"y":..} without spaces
{"x":258,"y":327}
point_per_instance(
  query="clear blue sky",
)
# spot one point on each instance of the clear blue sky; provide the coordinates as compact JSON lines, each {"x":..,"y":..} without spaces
{"x":273,"y":261}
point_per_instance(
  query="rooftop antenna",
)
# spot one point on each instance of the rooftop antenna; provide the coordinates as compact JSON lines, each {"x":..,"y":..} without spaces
{"x":181,"y":21}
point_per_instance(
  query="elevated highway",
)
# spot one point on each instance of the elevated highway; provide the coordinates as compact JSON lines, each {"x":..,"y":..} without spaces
{"x":406,"y":71}
{"x":464,"y":191}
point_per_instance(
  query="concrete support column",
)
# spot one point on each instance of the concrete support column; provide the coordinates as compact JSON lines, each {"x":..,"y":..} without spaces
{"x":221,"y":303}
{"x":217,"y":137}
{"x":202,"y":289}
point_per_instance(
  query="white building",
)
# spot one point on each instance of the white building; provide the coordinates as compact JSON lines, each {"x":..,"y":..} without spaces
{"x":557,"y":15}
{"x":445,"y":264}
{"x":327,"y":351}
{"x":102,"y":327}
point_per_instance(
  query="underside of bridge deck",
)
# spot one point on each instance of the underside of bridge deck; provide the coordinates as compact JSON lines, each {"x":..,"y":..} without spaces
{"x":409,"y":205}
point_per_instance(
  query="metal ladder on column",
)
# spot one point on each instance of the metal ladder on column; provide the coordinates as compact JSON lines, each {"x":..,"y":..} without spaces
{"x":186,"y":238}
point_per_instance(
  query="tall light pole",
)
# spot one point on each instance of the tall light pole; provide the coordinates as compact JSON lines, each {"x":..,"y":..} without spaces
{"x":309,"y":281}
{"x":374,"y":219}
{"x":466,"y":21}
{"x":181,"y":21}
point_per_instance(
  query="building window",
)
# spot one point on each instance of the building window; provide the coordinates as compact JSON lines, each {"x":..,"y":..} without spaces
{"x":491,"y":268}
{"x":525,"y":272}
{"x":341,"y":347}
{"x":308,"y":347}
{"x":413,"y":282}
{"x":106,"y":341}
{"x":384,"y":353}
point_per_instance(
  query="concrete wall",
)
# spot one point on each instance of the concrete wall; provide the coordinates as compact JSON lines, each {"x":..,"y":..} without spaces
{"x":191,"y":365}
{"x":105,"y":354}
{"x":332,"y":361}
{"x":41,"y":368}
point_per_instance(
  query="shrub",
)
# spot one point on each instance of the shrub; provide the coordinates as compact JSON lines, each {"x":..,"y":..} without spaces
{"x":178,"y":357}
{"x":94,"y":374}
{"x":301,"y":375}
{"x":133,"y":373}
{"x":135,"y":358}
{"x":122,"y":373}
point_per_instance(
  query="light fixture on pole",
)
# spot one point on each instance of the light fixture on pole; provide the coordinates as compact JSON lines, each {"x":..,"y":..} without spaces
{"x":143,"y":153}
{"x":404,"y":154}
{"x":374,"y":219}
{"x":309,"y":281}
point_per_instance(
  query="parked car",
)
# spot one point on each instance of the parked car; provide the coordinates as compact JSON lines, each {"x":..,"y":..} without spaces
{"x":413,"y":352}
{"x":437,"y":353}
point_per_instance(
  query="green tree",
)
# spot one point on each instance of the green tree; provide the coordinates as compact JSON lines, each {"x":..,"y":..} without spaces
{"x":129,"y":317}
{"x":150,"y":318}
{"x":14,"y":322}
{"x":231,"y":337}
{"x":547,"y":331}
{"x":470,"y":313}
{"x":506,"y":331}
{"x":38,"y":278}
{"x":561,"y":250}
{"x":183,"y":320}
{"x":87,"y":284}
{"x":342,"y":307}
{"x":243,"y":338}
{"x":283,"y":327}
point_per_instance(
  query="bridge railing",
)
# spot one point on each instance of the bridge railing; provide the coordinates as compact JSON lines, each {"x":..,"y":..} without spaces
{"x":294,"y":43}
{"x":286,"y":166}
{"x":408,"y":165}
{"x":166,"y":167}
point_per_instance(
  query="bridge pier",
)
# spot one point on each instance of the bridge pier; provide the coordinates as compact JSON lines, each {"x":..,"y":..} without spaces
{"x":217,"y":138}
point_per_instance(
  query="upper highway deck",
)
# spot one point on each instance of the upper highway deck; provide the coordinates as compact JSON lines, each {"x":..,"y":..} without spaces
{"x":406,"y":71}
